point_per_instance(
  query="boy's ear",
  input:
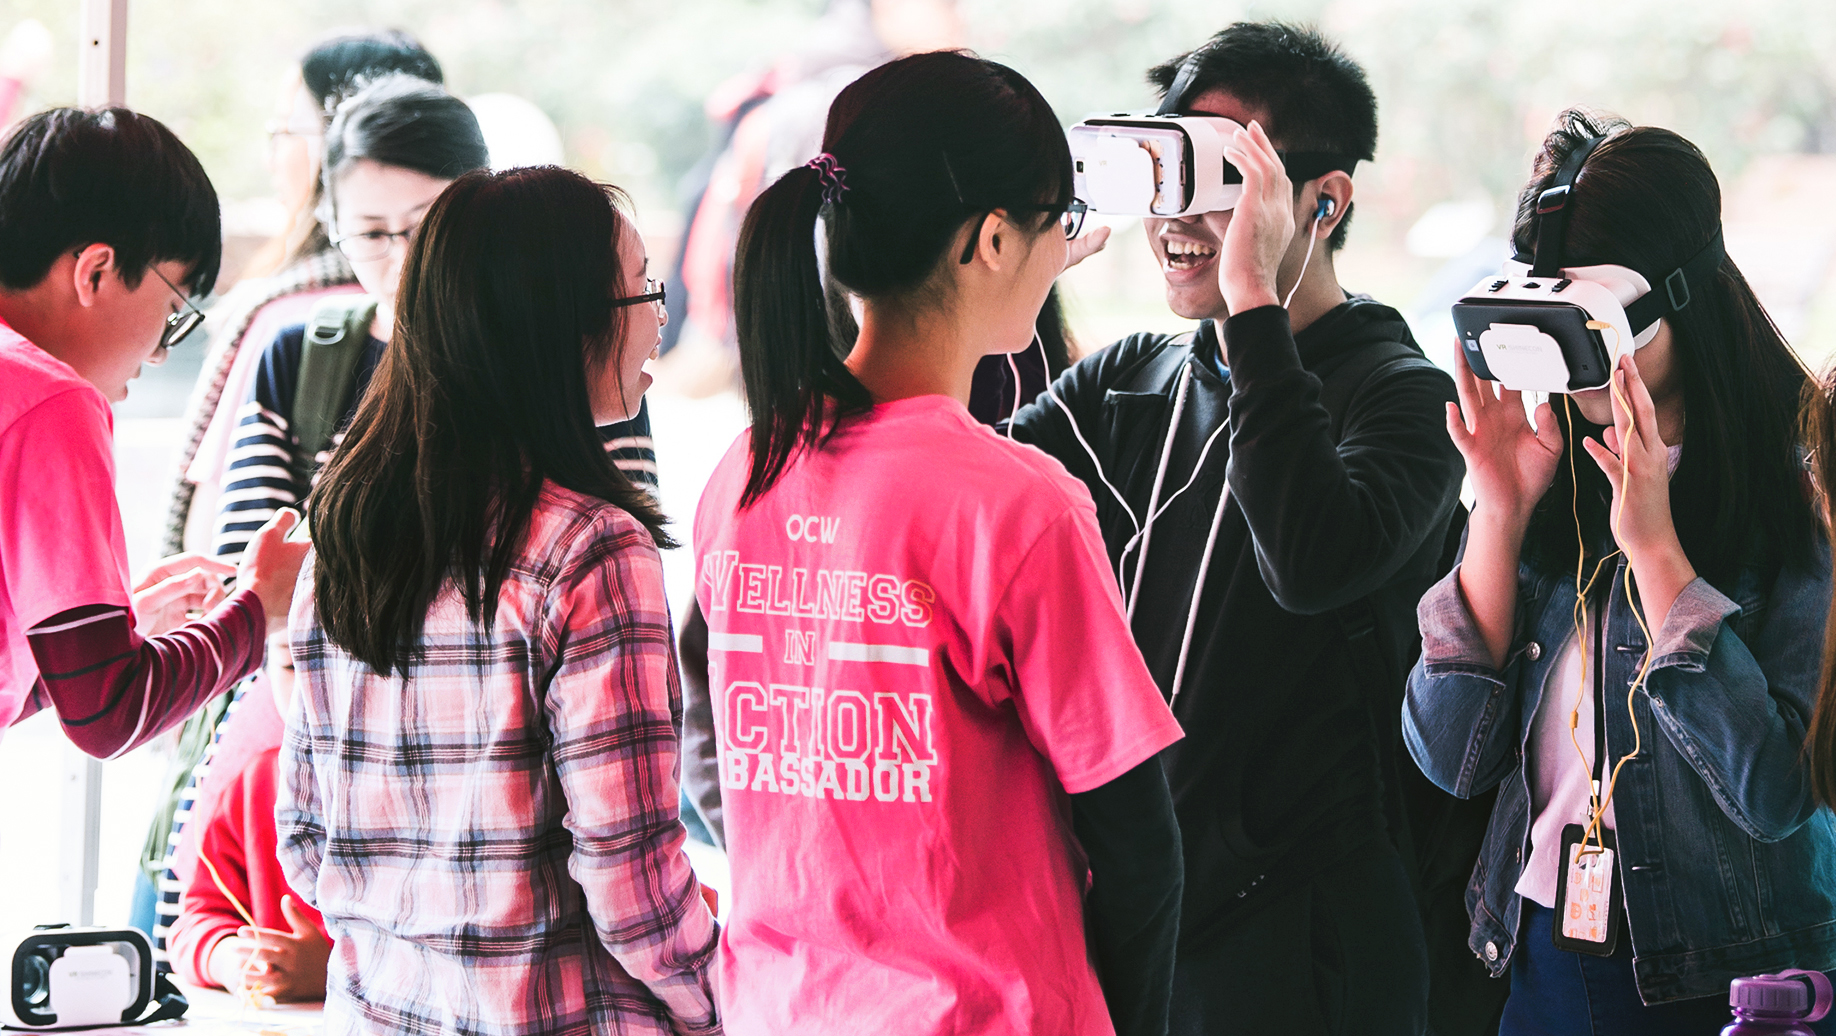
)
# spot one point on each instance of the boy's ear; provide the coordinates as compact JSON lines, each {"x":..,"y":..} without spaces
{"x":92,"y":263}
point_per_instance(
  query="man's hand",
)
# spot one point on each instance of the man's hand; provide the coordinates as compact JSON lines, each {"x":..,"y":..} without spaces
{"x":1086,"y":246}
{"x":289,"y":966}
{"x":176,"y":587}
{"x":271,"y":566}
{"x":1261,"y":226}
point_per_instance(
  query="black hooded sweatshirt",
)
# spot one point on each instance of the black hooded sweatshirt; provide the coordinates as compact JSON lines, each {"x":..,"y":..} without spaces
{"x":1342,"y":483}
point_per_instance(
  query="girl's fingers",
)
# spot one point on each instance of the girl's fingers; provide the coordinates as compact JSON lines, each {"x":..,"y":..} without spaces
{"x":1642,"y":405}
{"x":1622,"y":408}
{"x":1457,"y":431}
{"x":1611,"y":436}
{"x":1609,"y":464}
{"x":1466,"y":385}
{"x":1547,"y":431}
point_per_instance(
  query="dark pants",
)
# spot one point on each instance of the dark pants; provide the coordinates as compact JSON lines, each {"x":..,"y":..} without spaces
{"x":1557,"y":993}
{"x":1341,"y":953}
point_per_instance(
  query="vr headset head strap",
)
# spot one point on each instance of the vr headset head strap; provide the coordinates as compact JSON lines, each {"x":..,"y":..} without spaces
{"x":1675,"y":289}
{"x":1552,"y":212}
{"x":1300,"y":165}
{"x":1182,"y":82}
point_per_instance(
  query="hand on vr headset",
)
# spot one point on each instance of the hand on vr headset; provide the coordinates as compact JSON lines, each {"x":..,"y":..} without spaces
{"x":1636,"y":461}
{"x":1511,"y":463}
{"x":1261,"y":226}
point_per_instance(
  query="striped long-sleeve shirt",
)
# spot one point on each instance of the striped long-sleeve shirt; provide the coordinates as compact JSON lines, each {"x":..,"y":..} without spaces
{"x":258,"y":480}
{"x":492,"y":836}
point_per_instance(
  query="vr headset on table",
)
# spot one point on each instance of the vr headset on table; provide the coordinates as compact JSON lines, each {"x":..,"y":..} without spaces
{"x":1540,"y":326}
{"x":62,"y":977}
{"x":1168,"y":164}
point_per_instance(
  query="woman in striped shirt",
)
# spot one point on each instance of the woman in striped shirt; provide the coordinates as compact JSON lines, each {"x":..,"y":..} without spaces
{"x":478,"y":780}
{"x":391,"y":149}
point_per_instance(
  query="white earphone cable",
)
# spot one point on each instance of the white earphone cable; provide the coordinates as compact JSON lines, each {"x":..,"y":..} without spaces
{"x":1312,"y":236}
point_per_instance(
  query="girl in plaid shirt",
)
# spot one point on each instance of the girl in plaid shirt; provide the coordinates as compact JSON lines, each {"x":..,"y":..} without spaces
{"x":479,"y":771}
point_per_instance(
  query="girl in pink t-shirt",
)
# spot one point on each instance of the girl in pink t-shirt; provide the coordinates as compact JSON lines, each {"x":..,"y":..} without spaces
{"x":937,"y":739}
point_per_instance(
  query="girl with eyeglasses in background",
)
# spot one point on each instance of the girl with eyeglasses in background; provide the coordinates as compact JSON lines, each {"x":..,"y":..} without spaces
{"x":943,"y":801}
{"x":390,"y":151}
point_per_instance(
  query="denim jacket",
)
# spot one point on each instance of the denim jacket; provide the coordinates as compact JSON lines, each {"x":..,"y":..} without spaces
{"x":1727,"y":862}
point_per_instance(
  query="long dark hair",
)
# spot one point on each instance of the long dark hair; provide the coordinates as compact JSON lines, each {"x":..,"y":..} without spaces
{"x":928,"y":142}
{"x":1647,"y":199}
{"x":481,"y":397}
{"x":1820,"y":435}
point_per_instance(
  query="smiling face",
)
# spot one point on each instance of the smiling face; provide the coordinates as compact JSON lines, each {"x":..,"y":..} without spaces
{"x":618,"y":386}
{"x":1187,"y":246}
{"x":377,"y":200}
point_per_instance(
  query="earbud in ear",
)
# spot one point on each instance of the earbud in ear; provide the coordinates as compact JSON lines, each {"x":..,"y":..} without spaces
{"x":1325,"y":210}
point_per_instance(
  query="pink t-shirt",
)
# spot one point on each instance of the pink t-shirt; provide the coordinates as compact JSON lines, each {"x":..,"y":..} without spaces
{"x":916,"y":649}
{"x":61,"y":543}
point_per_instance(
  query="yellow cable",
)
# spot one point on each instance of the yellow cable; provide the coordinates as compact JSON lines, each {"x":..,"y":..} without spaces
{"x":1580,"y":610}
{"x":248,"y":992}
{"x":1644,"y":672}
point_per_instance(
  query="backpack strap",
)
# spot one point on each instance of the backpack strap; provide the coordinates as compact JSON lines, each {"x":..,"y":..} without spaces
{"x":336,"y":333}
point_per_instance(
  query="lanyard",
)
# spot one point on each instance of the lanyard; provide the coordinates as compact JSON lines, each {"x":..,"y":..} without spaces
{"x":1600,"y":656}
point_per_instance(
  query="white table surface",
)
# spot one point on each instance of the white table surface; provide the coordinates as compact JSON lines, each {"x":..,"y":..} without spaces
{"x":216,"y":1013}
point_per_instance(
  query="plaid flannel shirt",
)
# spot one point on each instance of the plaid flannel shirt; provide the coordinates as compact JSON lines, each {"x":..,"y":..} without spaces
{"x":493,"y":836}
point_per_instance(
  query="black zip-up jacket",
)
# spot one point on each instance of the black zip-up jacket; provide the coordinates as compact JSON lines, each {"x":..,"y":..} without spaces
{"x":1331,"y":516}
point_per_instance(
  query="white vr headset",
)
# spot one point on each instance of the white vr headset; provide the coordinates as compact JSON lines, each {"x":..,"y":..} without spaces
{"x":1168,"y":164}
{"x":63,"y":978}
{"x":1541,"y":326}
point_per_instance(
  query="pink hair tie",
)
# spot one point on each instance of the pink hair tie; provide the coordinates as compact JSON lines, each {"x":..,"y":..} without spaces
{"x":832,"y":176}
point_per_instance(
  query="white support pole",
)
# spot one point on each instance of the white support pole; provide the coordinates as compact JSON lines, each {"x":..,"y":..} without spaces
{"x":101,"y":80}
{"x":80,"y":839}
{"x":102,"y":65}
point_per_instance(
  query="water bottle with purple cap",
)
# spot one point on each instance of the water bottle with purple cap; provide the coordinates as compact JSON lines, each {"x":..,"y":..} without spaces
{"x":1778,"y":1005}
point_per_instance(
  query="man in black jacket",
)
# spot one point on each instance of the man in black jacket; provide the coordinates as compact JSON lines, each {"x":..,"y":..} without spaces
{"x":1274,"y":597}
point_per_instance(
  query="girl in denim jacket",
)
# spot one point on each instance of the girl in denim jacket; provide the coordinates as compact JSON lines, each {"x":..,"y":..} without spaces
{"x":1687,"y":537}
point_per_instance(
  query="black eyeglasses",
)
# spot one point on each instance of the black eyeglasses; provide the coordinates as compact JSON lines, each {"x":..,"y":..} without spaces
{"x":657,"y":293}
{"x":1070,"y":220}
{"x":178,"y":325}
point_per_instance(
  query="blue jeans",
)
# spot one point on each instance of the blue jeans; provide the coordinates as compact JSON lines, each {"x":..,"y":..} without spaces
{"x":1557,"y":993}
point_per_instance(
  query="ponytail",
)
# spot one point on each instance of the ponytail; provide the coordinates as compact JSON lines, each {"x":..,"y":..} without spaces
{"x":790,"y":367}
{"x":912,"y":151}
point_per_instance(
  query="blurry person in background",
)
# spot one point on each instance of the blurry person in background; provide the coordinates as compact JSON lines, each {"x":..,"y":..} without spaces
{"x":1820,"y":458}
{"x":391,"y":149}
{"x":283,"y":280}
{"x":771,"y":121}
{"x":25,"y":57}
{"x":108,"y":227}
{"x":486,"y":580}
{"x":211,"y":944}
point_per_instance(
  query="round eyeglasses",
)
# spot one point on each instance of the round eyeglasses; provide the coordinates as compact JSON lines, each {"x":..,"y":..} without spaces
{"x":370,"y":245}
